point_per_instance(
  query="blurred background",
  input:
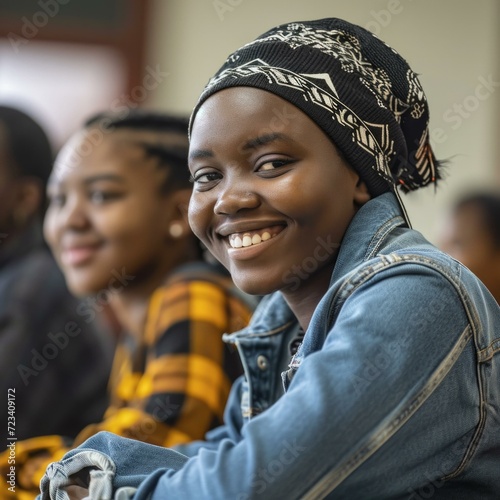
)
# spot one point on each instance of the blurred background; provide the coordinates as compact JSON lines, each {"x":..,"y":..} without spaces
{"x":63,"y":60}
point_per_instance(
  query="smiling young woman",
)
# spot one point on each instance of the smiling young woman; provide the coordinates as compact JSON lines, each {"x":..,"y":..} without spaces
{"x":247,"y":183}
{"x":372,"y":362}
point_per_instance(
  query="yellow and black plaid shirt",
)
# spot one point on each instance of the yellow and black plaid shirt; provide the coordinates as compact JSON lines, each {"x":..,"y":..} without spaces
{"x":171,"y":387}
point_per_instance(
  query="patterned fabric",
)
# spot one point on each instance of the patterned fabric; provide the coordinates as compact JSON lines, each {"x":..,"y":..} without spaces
{"x":171,"y":386}
{"x":361,"y":93}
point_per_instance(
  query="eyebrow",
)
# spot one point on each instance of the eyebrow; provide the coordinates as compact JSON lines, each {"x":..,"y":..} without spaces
{"x":90,"y":180}
{"x":103,"y":177}
{"x":262,"y":140}
{"x":254,"y":143}
{"x":200,"y":154}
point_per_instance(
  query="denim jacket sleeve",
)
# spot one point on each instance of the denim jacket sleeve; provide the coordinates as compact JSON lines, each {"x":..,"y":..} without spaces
{"x":393,"y":387}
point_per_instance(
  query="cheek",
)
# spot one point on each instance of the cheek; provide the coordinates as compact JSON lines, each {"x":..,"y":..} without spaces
{"x":139,"y":239}
{"x":122,"y":222}
{"x":135,"y":228}
{"x":199,"y":215}
{"x":312,"y":203}
{"x":50,"y":229}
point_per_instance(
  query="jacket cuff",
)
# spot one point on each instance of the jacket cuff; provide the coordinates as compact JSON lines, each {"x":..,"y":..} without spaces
{"x":87,"y":468}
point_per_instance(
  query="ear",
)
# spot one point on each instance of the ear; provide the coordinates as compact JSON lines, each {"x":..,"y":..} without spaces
{"x":177,"y":223}
{"x":28,"y":200}
{"x":361,"y":193}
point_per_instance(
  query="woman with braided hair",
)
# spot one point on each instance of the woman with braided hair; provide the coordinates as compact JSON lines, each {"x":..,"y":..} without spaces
{"x":117,"y":226}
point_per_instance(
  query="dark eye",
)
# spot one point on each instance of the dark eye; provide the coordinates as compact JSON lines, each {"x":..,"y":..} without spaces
{"x":205,"y":178}
{"x":99,"y":196}
{"x":272,"y":165}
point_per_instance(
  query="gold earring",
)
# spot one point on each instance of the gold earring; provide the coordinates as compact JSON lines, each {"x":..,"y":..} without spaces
{"x":176,"y":230}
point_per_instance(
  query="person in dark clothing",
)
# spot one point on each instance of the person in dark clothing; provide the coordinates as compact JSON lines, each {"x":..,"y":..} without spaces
{"x":42,"y":335}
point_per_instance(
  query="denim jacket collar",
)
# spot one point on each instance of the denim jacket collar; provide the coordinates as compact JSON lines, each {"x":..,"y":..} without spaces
{"x":367,"y":232}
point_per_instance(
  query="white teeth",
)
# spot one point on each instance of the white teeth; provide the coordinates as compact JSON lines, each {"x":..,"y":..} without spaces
{"x":247,"y":240}
{"x":256,"y":239}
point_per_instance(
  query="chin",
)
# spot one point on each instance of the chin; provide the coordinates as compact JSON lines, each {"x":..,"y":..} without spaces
{"x":82,"y":289}
{"x":254,"y":286}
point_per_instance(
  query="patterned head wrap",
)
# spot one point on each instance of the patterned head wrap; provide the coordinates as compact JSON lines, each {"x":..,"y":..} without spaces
{"x":358,"y":90}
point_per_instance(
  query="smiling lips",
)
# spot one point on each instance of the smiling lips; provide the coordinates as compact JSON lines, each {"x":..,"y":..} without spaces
{"x":250,"y":238}
{"x":77,"y":256}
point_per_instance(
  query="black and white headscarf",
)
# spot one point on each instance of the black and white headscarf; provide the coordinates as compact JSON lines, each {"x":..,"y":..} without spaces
{"x":356,"y":88}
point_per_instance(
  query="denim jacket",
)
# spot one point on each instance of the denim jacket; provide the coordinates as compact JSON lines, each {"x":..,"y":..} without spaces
{"x":394,"y":392}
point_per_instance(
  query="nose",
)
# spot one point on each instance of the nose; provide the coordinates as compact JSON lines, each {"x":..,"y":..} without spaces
{"x":234,"y":198}
{"x":74,"y":216}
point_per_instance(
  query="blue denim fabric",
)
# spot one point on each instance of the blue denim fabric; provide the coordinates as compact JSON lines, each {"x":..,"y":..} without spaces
{"x":393,"y":394}
{"x":107,"y":479}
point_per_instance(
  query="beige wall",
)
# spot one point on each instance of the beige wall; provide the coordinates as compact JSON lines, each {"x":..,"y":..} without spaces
{"x":452,"y":44}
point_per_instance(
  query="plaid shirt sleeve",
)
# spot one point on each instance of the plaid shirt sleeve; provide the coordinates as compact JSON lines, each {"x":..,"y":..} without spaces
{"x":173,"y":387}
{"x":181,"y":390}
